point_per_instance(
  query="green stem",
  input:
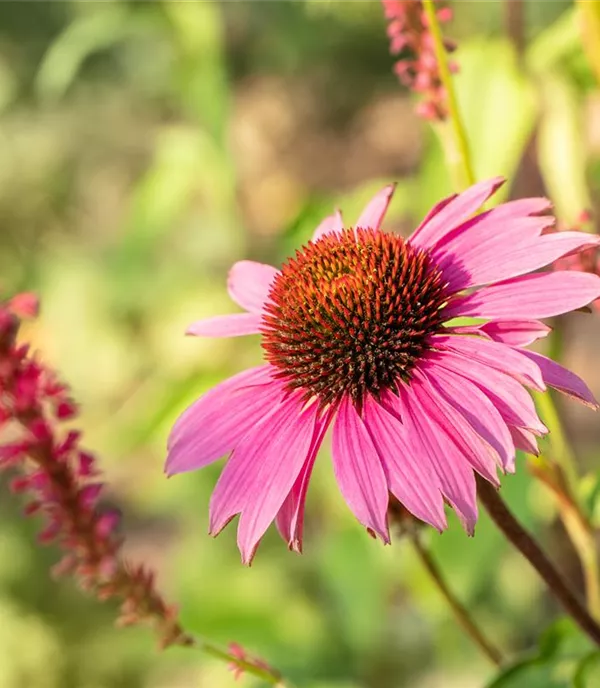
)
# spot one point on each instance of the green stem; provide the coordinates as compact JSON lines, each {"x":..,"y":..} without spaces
{"x":461,"y":613}
{"x":461,"y":154}
{"x":525,"y":543}
{"x":269,"y":675}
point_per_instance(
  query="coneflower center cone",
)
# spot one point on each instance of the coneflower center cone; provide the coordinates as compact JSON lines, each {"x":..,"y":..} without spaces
{"x":351,"y":314}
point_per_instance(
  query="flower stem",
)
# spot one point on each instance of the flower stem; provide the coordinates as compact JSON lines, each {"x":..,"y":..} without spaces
{"x":460,"y":156}
{"x":524,"y":542}
{"x":460,"y":611}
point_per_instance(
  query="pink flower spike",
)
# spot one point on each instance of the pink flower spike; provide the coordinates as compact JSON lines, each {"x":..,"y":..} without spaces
{"x":374,"y":212}
{"x":357,"y":331}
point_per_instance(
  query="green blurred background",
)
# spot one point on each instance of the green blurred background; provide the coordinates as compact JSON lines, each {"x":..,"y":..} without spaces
{"x":147,"y":146}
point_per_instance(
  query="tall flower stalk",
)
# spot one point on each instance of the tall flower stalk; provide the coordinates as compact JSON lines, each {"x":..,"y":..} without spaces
{"x":575,"y":522}
{"x":64,"y":487}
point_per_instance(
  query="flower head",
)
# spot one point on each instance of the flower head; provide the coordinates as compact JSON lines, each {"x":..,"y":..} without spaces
{"x":359,"y":331}
{"x":417,"y":67}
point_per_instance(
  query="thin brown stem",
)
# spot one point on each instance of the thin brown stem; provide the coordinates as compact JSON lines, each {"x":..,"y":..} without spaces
{"x":514,"y":19}
{"x":525,"y":543}
{"x":460,"y":612}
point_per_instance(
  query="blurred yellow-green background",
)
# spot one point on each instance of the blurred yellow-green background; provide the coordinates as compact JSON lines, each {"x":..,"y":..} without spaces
{"x":144,"y":147}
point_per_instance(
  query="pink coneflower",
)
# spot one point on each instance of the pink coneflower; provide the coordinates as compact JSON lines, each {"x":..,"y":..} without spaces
{"x":359,"y":331}
{"x":417,"y":66}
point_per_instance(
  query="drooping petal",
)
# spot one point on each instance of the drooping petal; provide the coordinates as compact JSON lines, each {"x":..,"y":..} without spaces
{"x":540,"y":295}
{"x":507,"y":395}
{"x":213,"y":425}
{"x":495,"y":355}
{"x":413,"y":481}
{"x":491,"y":252}
{"x":524,"y":440}
{"x":290,"y":518}
{"x":515,"y":332}
{"x":235,"y":325}
{"x":456,"y":477}
{"x":563,"y":379}
{"x":332,"y":224}
{"x":474,"y":406}
{"x":373,"y":214}
{"x":235,"y":484}
{"x":249,"y":283}
{"x":450,"y":214}
{"x":278,"y":452}
{"x":358,"y":471}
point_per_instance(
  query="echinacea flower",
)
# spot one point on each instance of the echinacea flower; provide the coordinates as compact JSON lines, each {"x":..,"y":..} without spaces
{"x":359,"y":331}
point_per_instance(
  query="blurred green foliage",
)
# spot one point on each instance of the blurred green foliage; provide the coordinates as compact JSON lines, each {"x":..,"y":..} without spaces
{"x":146,"y":147}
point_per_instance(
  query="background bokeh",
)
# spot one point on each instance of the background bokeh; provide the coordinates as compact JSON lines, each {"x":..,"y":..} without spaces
{"x":144,"y":147}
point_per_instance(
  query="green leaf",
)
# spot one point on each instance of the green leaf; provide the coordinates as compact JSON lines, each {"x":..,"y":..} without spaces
{"x":561,"y":149}
{"x":498,"y":105}
{"x":556,"y":663}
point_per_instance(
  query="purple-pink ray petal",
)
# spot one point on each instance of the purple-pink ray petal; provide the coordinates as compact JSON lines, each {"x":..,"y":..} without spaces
{"x":490,"y":261}
{"x":249,"y":283}
{"x":540,"y":295}
{"x":374,"y":212}
{"x":456,"y":476}
{"x":213,"y":425}
{"x":474,"y":406}
{"x":524,"y":441}
{"x":452,"y":213}
{"x":507,"y":395}
{"x":463,"y":442}
{"x":515,"y":332}
{"x":358,"y":470}
{"x":235,"y":484}
{"x":277,"y":454}
{"x":235,"y":325}
{"x":412,"y":481}
{"x":486,"y":249}
{"x":563,"y":379}
{"x":495,"y":355}
{"x":332,"y":224}
{"x":290,"y":518}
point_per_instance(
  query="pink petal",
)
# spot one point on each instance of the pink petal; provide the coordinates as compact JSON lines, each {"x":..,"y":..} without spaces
{"x":412,"y":481}
{"x":213,"y":425}
{"x":290,"y":519}
{"x":358,"y":471}
{"x":540,"y":295}
{"x":524,"y":441}
{"x":452,"y":213}
{"x":373,"y":214}
{"x":515,"y":332}
{"x":249,"y":284}
{"x":463,"y":442}
{"x":507,"y":395}
{"x":456,"y":476}
{"x":563,"y":379}
{"x":474,"y":406}
{"x":273,"y":455}
{"x":243,"y":479}
{"x":494,"y":355}
{"x":497,"y":256}
{"x":486,"y":249}
{"x":234,"y":325}
{"x":333,"y":224}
